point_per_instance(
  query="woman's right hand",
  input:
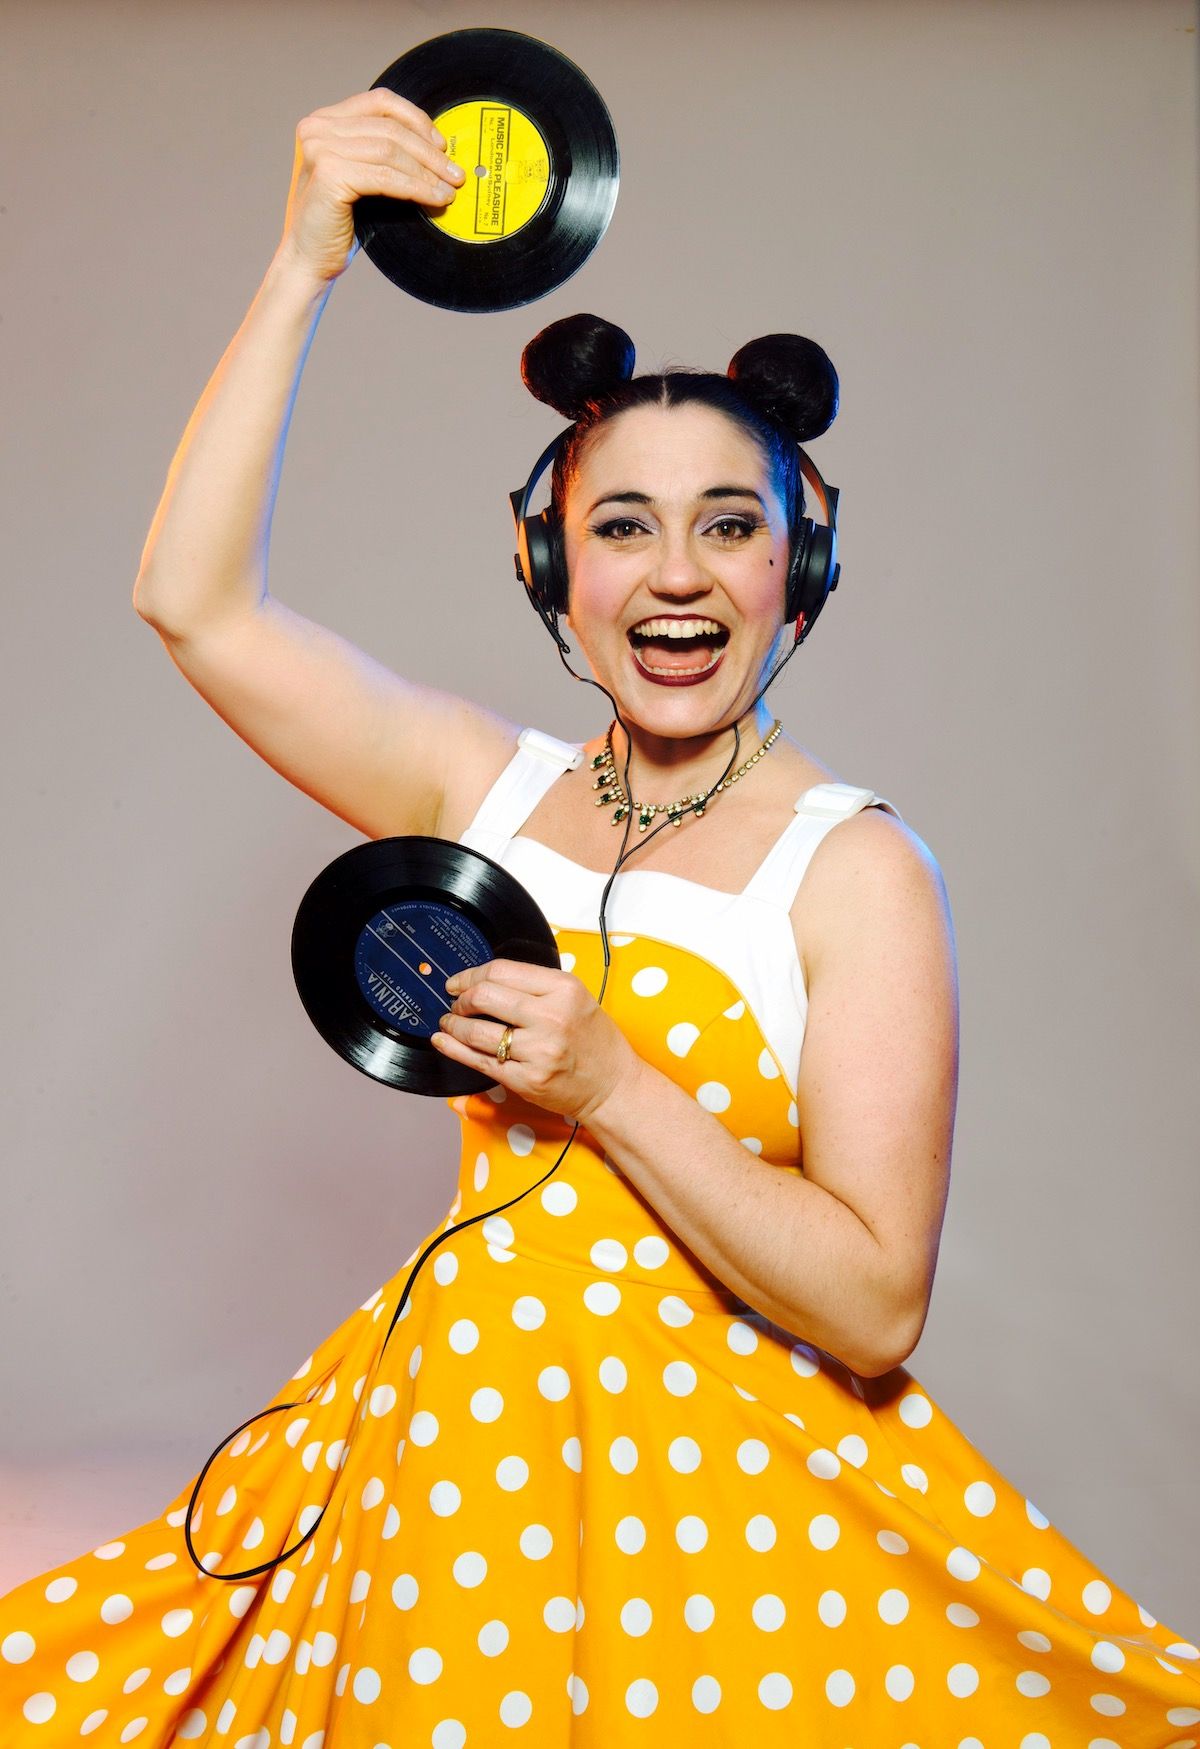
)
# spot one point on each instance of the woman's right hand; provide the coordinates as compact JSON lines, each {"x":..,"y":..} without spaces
{"x":375,"y":142}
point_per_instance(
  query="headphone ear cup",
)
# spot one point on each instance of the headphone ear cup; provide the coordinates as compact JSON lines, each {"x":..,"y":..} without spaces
{"x":813,"y":572}
{"x":538,"y":560}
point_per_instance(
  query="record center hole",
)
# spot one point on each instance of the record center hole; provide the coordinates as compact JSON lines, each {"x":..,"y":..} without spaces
{"x":481,"y":169}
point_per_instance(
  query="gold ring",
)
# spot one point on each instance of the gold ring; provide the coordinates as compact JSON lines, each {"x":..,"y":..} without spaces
{"x":505,"y":1045}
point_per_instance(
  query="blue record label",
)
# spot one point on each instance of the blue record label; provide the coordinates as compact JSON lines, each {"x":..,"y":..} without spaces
{"x":405,"y":953}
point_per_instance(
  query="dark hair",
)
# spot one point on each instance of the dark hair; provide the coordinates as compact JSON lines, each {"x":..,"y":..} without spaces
{"x":781,"y":389}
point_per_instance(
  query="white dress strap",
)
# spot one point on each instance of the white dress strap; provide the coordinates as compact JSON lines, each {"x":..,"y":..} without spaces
{"x":778,"y":876}
{"x":538,"y":760}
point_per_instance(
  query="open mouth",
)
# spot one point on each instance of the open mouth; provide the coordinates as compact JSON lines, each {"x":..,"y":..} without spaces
{"x":675,"y":649}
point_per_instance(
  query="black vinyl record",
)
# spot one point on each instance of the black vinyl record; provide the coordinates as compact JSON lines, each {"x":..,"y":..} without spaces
{"x":378,"y":933}
{"x":537,"y":145}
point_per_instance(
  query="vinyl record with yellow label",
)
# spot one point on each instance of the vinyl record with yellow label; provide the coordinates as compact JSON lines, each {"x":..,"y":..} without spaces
{"x":541,"y":170}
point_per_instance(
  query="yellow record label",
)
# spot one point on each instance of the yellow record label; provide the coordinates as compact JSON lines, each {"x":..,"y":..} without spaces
{"x":507,"y":170}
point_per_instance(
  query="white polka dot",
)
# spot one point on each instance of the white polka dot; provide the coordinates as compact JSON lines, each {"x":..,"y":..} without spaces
{"x":18,"y":1647}
{"x":521,"y":1140}
{"x":962,"y":1564}
{"x":177,"y":1681}
{"x":674,"y":1312}
{"x":382,"y":1399}
{"x":567,"y":961}
{"x":962,"y":1680}
{"x":528,"y":1313}
{"x":752,"y":1143}
{"x":853,"y":1450}
{"x":831,"y":1607}
{"x":682,"y":1037}
{"x":256,"y":1532}
{"x":793,"y":1115}
{"x":839,"y":1687}
{"x":559,"y":1615}
{"x":1033,"y":1684}
{"x":391,"y":1524}
{"x":753,"y":1456}
{"x":684,"y":1454}
{"x":1036,"y":1518}
{"x":463,"y":1336}
{"x":899,"y":1682}
{"x":768,"y":1612}
{"x":405,"y":1591}
{"x":915,"y":1410}
{"x":516,"y":1708}
{"x":915,"y":1476}
{"x":609,"y":1254}
{"x":445,"y":1498}
{"x":82,"y":1666}
{"x":109,"y":1551}
{"x":1184,"y":1649}
{"x":893,"y":1606}
{"x":980,"y":1499}
{"x":641,"y":1698}
{"x":559,"y":1198}
{"x":649,"y":981}
{"x":631,"y":1535}
{"x":602,"y":1298}
{"x":448,"y":1734}
{"x":1096,"y":1597}
{"x":116,"y":1608}
{"x":612,"y":1374}
{"x":277,"y":1647}
{"x":1111,"y":1706}
{"x":691,"y":1533}
{"x":679,"y":1378}
{"x":367,"y":1685}
{"x":804,"y":1360}
{"x":1107,"y":1657}
{"x":487,"y":1404}
{"x":497,"y":1231}
{"x":176,"y":1622}
{"x":961,"y":1615}
{"x":492,"y":1639}
{"x":741,"y":1337}
{"x":736,"y":1012}
{"x":1034,"y":1642}
{"x":536,"y":1542}
{"x":59,"y":1590}
{"x":425,"y":1664}
{"x":760,"y":1532}
{"x":1184,"y":1715}
{"x":636,"y":1617}
{"x":423,"y":1429}
{"x":554,"y":1383}
{"x":823,"y":1531}
{"x":512,"y":1473}
{"x":324,"y":1650}
{"x":1038,"y":1740}
{"x":891,"y":1542}
{"x":706,"y":1694}
{"x":193,"y":1725}
{"x":1036,"y":1581}
{"x":714,"y":1096}
{"x":651,"y":1252}
{"x":699,"y":1613}
{"x":39,"y":1708}
{"x":824,"y":1464}
{"x":623,"y":1455}
{"x":240,"y":1600}
{"x":775,"y":1691}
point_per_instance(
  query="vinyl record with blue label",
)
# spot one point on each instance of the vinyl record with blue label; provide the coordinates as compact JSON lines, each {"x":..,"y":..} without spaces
{"x":537,"y":146}
{"x":378,"y":933}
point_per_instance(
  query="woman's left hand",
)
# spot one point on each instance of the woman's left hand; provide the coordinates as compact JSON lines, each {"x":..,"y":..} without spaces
{"x":566,"y":1054}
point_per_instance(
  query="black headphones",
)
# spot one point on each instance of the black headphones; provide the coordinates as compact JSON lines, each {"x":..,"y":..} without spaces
{"x":540,"y":563}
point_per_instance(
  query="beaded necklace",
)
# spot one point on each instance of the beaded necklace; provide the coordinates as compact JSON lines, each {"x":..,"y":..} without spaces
{"x":612,"y":790}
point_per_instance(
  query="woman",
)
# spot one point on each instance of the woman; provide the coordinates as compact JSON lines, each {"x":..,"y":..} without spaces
{"x":646,"y":1449}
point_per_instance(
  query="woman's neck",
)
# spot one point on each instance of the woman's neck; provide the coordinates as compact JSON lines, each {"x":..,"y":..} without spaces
{"x":664,"y":768}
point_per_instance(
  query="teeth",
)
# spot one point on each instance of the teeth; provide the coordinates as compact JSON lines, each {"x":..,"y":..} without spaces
{"x":700,"y":668}
{"x":676,"y":628}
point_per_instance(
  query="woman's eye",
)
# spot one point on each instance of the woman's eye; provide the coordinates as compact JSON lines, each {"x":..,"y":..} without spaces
{"x":742,"y":527}
{"x":609,"y":529}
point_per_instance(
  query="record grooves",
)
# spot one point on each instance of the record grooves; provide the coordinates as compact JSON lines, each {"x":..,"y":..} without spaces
{"x":378,"y":933}
{"x":542,"y":168}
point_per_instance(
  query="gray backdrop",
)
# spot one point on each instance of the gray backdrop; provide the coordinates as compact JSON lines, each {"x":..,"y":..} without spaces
{"x":986,"y":213}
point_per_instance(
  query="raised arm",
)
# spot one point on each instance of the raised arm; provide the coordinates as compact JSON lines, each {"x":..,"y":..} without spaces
{"x":369,"y":746}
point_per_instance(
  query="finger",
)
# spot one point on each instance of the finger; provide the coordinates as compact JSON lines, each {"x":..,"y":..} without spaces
{"x":498,"y":1001}
{"x":409,"y":180}
{"x":377,"y":138}
{"x":446,"y":1044}
{"x":379,"y":100}
{"x":481,"y":1035}
{"x":516,"y":974}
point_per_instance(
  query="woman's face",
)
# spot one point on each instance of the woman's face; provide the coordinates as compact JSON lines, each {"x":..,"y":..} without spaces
{"x":673,"y":521}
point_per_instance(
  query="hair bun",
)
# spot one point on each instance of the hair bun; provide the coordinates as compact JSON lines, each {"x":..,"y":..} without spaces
{"x":575,"y":360}
{"x":792,"y":378}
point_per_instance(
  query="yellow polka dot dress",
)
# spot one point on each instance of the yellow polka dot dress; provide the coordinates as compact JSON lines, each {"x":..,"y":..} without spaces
{"x":586,"y":1496}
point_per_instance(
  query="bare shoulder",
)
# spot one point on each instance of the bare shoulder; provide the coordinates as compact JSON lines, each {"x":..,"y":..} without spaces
{"x":870,"y":871}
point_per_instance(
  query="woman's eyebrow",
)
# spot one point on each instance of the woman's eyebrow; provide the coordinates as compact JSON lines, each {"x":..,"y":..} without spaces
{"x":644,"y":498}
